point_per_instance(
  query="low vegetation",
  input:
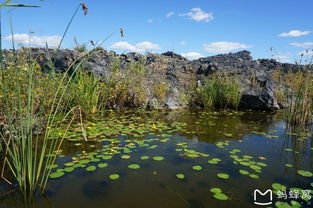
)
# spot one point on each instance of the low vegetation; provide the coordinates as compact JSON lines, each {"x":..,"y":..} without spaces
{"x":220,"y":92}
{"x":295,"y":89}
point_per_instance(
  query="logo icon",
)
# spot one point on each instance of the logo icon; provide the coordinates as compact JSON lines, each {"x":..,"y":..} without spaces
{"x":268,"y":193}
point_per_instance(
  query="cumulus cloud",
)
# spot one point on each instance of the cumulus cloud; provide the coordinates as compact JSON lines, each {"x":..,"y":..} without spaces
{"x":25,"y":39}
{"x":192,"y":55}
{"x":303,"y":45}
{"x":150,"y":20}
{"x":224,"y":47}
{"x":294,"y":33}
{"x":168,"y":15}
{"x":139,"y":47}
{"x":198,"y":15}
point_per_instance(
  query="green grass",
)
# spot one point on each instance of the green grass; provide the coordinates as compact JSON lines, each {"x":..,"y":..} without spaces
{"x":220,"y":92}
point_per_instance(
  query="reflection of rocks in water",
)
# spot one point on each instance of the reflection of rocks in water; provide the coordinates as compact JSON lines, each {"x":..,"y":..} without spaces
{"x":95,"y":189}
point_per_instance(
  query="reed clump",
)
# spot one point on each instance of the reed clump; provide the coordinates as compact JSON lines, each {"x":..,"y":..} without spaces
{"x":220,"y":91}
{"x":296,"y":90}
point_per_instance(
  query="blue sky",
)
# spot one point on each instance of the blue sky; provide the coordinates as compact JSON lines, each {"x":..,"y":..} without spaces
{"x":192,"y":28}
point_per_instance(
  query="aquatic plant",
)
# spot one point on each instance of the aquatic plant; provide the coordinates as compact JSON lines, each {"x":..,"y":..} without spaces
{"x":296,"y":92}
{"x":25,"y":148}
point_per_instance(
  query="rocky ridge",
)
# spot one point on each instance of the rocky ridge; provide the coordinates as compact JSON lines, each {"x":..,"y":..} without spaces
{"x":180,"y":73}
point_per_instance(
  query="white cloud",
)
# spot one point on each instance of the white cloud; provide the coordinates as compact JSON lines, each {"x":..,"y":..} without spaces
{"x":224,"y":47}
{"x":139,"y":47}
{"x":25,"y":39}
{"x":306,"y":53}
{"x":198,"y":15}
{"x":168,"y":15}
{"x":192,"y":55}
{"x":302,"y":45}
{"x":150,"y":20}
{"x":282,"y":58}
{"x":182,"y":42}
{"x":294,"y":33}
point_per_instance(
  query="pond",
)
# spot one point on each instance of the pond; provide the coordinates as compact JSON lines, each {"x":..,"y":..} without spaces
{"x":180,"y":159}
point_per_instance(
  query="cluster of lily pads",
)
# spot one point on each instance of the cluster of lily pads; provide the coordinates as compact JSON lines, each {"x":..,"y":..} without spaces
{"x":119,"y":137}
{"x":189,"y":153}
{"x":279,"y":188}
{"x":247,"y":162}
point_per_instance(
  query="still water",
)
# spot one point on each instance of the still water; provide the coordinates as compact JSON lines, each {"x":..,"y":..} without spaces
{"x":179,"y":159}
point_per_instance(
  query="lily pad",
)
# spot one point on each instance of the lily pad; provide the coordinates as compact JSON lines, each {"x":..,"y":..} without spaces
{"x":106,"y":157}
{"x":223,"y":175}
{"x":145,"y":157}
{"x":91,"y":168}
{"x":289,"y":165}
{"x":197,"y":167}
{"x":305,"y":173}
{"x":102,"y":165}
{"x":52,"y":166}
{"x":278,"y":187}
{"x":220,"y":196}
{"x":180,"y":176}
{"x":69,"y":169}
{"x":125,"y":156}
{"x":134,"y":166}
{"x":244,"y":172}
{"x":158,"y":158}
{"x":254,"y":176}
{"x":56,"y":174}
{"x":216,"y":190}
{"x":114,"y":176}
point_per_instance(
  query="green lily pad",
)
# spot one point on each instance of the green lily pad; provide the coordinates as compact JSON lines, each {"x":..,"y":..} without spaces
{"x":69,"y":169}
{"x":223,"y":175}
{"x":282,"y":205}
{"x":102,"y":165}
{"x":278,"y":187}
{"x":197,"y":167}
{"x":145,"y":157}
{"x":261,"y":164}
{"x":114,"y":176}
{"x":213,"y":162}
{"x":91,"y":168}
{"x":220,"y":196}
{"x":106,"y":157}
{"x":289,"y":165}
{"x":244,"y":172}
{"x":180,"y":176}
{"x":134,"y":166}
{"x":125,"y":156}
{"x":216,"y":190}
{"x":254,"y":176}
{"x":56,"y":174}
{"x":158,"y":158}
{"x":52,"y":166}
{"x":84,"y":161}
{"x":305,"y":173}
{"x":295,"y":204}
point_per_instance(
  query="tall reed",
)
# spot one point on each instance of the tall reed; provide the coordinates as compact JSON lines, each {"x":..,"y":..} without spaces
{"x":26,"y":150}
{"x":220,"y":91}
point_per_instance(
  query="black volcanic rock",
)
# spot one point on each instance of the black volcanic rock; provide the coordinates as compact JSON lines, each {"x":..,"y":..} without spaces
{"x":180,"y":73}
